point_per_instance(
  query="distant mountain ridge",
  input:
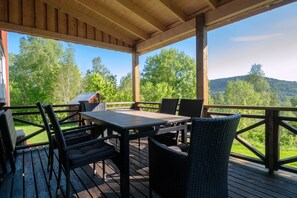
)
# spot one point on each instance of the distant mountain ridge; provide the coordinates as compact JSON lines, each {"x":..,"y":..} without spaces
{"x":285,"y":88}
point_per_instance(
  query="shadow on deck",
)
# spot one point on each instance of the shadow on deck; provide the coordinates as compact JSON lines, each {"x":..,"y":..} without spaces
{"x":246,"y":179}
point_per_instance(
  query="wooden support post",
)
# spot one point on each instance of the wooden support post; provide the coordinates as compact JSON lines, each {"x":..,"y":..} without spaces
{"x":135,"y":77}
{"x":201,"y":59}
{"x":271,"y":140}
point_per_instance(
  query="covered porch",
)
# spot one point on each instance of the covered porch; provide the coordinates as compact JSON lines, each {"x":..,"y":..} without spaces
{"x":133,"y":27}
{"x":147,"y":26}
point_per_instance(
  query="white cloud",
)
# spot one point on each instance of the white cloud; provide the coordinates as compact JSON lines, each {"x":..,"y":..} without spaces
{"x":255,"y":37}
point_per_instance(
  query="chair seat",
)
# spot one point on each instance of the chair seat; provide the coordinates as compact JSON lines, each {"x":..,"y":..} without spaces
{"x":90,"y":153}
{"x":167,"y":138}
{"x":181,"y":148}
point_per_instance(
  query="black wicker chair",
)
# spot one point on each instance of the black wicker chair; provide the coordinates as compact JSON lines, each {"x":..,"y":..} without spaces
{"x":168,"y":106}
{"x":72,"y":135}
{"x":191,"y":108}
{"x":81,"y":154}
{"x":200,"y":172}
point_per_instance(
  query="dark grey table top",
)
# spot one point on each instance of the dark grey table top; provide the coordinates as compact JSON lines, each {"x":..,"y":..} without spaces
{"x":132,"y":119}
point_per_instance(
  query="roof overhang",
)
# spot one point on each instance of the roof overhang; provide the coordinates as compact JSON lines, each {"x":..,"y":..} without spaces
{"x":124,"y":25}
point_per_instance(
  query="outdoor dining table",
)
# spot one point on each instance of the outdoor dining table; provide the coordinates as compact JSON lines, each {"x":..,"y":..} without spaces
{"x":146,"y":123}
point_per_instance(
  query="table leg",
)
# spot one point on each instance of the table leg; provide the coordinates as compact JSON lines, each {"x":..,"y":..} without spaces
{"x":124,"y":161}
{"x":184,"y":133}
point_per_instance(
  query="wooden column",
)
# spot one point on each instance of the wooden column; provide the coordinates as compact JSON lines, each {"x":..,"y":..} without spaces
{"x":201,"y":59}
{"x":135,"y":77}
{"x":272,"y":140}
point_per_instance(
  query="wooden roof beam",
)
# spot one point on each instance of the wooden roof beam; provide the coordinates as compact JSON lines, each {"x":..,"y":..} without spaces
{"x":76,"y":13}
{"x":234,"y":9}
{"x":108,"y":15}
{"x":222,"y":15}
{"x":175,"y":10}
{"x":142,"y":14}
{"x":68,"y":38}
{"x":212,"y":4}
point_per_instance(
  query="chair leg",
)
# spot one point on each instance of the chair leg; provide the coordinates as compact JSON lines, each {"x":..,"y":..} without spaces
{"x":139,"y":143}
{"x":49,"y":160}
{"x":67,"y":183}
{"x":11,"y":161}
{"x":58,"y":181}
{"x":51,"y":163}
{"x":103,"y":169}
{"x":150,"y":193}
{"x":94,"y":169}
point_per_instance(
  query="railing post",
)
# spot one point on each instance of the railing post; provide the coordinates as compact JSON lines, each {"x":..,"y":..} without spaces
{"x":205,"y":112}
{"x":2,"y":104}
{"x":135,"y":106}
{"x":271,"y":140}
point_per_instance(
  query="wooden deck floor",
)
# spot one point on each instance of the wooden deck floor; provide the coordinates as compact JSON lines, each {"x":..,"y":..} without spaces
{"x":30,"y":179}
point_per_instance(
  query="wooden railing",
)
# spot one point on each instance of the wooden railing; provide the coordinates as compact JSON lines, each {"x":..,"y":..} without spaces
{"x":30,"y":116}
{"x":272,"y":118}
{"x":269,"y":120}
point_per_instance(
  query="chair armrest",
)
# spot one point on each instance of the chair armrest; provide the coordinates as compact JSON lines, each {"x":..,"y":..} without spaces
{"x":166,"y":151}
{"x":80,"y":129}
{"x":86,"y":143}
{"x":168,"y":169}
{"x":86,"y":127}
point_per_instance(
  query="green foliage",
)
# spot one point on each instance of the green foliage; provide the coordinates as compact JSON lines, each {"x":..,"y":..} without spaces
{"x":101,"y":80}
{"x":32,"y":72}
{"x":241,"y":93}
{"x":96,"y":82}
{"x":294,"y":101}
{"x":151,"y":92}
{"x":256,"y":69}
{"x":125,"y":89}
{"x":282,"y":88}
{"x":256,"y":78}
{"x":172,"y":67}
{"x":68,"y":79}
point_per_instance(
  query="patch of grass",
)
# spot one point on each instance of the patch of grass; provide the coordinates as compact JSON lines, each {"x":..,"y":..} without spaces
{"x":284,"y":152}
{"x":29,"y":129}
{"x":41,"y":137}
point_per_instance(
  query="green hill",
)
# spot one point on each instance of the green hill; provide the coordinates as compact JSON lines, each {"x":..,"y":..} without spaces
{"x":285,"y":88}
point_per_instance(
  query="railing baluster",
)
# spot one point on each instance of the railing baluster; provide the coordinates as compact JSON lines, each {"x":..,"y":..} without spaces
{"x":272,"y":140}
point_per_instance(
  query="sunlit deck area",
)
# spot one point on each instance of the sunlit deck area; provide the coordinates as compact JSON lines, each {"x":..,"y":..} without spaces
{"x":245,"y":179}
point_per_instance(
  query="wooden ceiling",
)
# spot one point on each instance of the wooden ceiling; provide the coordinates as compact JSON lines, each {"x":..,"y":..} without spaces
{"x":124,"y":25}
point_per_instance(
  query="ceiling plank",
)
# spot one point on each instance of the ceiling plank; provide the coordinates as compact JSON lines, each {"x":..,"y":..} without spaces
{"x":108,"y":15}
{"x":212,"y":4}
{"x":175,"y":10}
{"x":75,"y":11}
{"x":68,"y":38}
{"x":142,"y":14}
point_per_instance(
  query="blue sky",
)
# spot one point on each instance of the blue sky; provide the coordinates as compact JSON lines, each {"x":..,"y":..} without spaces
{"x":269,"y":39}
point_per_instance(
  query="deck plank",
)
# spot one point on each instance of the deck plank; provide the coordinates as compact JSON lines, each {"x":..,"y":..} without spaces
{"x":29,"y":183}
{"x":17,"y":190}
{"x":246,"y":179}
{"x":39,"y":172}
